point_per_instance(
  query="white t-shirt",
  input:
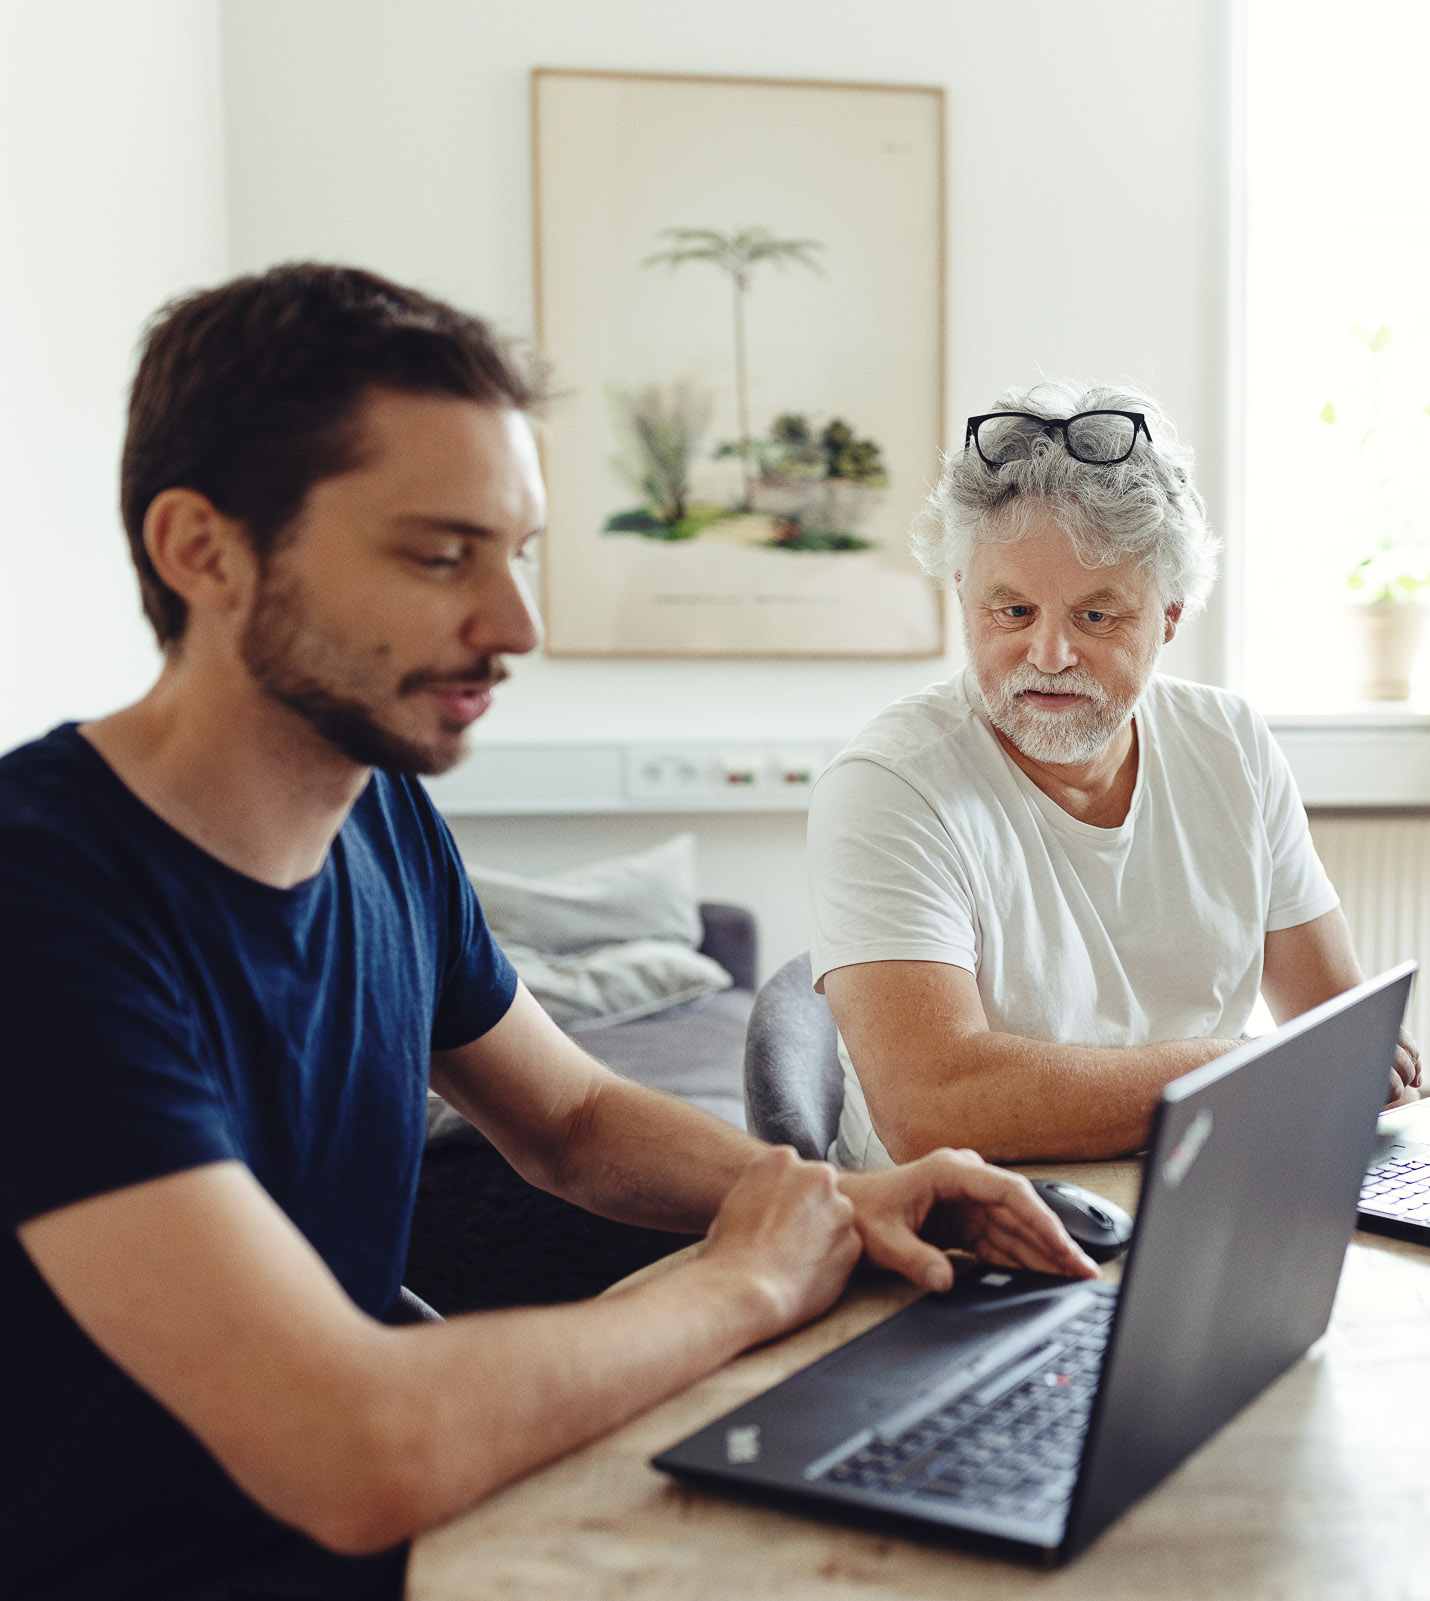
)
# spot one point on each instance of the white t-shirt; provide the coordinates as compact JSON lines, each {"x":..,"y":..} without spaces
{"x":928,"y":843}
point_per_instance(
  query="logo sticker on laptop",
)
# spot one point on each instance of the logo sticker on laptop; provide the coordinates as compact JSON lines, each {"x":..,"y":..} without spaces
{"x":1187,"y":1149}
{"x":743,"y":1445}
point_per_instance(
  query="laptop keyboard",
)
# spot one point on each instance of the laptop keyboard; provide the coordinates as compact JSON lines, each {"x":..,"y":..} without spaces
{"x":1013,"y":1453}
{"x":1399,"y":1188}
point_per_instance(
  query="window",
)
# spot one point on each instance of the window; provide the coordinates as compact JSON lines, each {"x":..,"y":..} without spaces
{"x":1337,"y":448}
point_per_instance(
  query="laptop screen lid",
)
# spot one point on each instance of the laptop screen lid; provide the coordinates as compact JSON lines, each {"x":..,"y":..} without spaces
{"x":1248,"y":1203}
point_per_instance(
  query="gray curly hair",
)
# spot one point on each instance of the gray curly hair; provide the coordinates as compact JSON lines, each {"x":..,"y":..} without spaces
{"x":1144,"y":509}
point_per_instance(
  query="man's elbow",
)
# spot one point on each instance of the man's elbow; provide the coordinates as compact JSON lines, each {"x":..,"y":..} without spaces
{"x":371,"y":1482}
{"x":357,"y":1531}
{"x":357,"y":1509}
{"x":386,"y":1501}
{"x":389,"y":1505}
{"x":907,"y":1131}
{"x":992,"y":1143}
{"x":959,"y":1115}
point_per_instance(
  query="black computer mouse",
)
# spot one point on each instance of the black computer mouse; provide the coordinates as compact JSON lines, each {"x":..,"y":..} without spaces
{"x":1100,"y":1226}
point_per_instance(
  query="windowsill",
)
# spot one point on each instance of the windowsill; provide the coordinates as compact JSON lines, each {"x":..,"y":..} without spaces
{"x":1372,"y":756}
{"x":1370,"y":714}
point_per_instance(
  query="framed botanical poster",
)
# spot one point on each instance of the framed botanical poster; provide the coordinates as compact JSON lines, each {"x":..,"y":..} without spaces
{"x":739,"y":286}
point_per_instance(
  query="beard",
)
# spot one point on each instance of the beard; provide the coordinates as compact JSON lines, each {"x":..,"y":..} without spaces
{"x":1060,"y":738}
{"x":335,"y":689}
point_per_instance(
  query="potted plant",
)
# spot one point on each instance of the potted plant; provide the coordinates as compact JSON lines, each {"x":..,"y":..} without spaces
{"x":1387,"y":442}
{"x":1387,"y":616}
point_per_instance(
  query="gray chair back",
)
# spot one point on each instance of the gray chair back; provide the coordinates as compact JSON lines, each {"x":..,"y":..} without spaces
{"x":794,"y":1085}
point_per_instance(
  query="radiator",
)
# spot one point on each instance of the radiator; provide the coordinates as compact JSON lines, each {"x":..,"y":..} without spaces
{"x":1380,"y":866}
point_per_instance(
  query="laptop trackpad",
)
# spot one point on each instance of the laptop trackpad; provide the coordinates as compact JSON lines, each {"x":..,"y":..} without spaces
{"x":944,"y":1344}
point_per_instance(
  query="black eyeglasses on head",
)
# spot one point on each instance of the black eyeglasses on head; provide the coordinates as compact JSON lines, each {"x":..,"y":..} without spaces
{"x":1100,"y":438}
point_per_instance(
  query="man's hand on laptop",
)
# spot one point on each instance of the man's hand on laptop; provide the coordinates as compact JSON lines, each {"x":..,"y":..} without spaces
{"x":986,"y":1210}
{"x":785,"y":1230}
{"x":1405,"y":1077}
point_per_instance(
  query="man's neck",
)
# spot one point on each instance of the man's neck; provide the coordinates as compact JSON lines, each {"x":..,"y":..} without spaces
{"x":1097,"y":792}
{"x":241,"y":776}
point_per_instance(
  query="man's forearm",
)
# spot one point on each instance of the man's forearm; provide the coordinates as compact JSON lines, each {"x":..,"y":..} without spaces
{"x":645,"y":1158}
{"x":198,"y":1287}
{"x":1019,"y":1100}
{"x":474,"y":1403}
{"x":572,"y":1126}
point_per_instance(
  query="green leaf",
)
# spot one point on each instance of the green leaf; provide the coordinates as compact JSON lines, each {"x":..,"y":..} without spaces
{"x":1379,"y":339}
{"x":1328,"y":412}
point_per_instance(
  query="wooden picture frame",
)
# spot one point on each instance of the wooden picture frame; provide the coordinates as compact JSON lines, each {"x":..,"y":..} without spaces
{"x":740,"y":290}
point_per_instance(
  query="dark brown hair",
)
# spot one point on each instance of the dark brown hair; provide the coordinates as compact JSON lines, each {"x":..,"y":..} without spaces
{"x":250,"y":394}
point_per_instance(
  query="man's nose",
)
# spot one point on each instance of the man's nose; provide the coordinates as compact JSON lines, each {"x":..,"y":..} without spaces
{"x":1050,"y":647}
{"x":503,"y":620}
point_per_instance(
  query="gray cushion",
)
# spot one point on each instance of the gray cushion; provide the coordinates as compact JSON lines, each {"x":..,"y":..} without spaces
{"x":589,"y":992}
{"x":693,"y":1051}
{"x":650,"y":895}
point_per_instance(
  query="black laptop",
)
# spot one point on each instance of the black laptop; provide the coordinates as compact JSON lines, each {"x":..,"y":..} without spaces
{"x":1029,"y":1412}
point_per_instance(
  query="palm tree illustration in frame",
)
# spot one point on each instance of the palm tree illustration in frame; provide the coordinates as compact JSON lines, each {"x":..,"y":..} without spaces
{"x":737,"y":255}
{"x":801,"y":488}
{"x":748,"y":367}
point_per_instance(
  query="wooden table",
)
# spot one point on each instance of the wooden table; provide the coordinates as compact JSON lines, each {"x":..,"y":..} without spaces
{"x":1319,"y":1491}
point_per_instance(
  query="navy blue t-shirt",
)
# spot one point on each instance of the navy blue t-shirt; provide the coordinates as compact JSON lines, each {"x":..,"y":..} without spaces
{"x":160,"y":1011}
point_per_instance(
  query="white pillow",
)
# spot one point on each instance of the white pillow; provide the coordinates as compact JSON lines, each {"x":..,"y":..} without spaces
{"x":616,"y":983}
{"x":651,"y":895}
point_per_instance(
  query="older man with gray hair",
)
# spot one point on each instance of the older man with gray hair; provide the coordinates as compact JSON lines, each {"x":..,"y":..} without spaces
{"x":1049,"y":886}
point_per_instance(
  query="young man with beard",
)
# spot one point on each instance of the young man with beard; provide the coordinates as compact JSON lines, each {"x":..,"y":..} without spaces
{"x":234,"y":935}
{"x":1046,"y":888}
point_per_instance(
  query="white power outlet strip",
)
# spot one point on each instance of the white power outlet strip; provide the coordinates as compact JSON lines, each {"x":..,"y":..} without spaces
{"x":554,"y":780}
{"x":702,"y":776}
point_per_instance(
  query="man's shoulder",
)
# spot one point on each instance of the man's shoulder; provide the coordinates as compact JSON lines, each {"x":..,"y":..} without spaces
{"x":931,"y":725}
{"x":54,"y":790}
{"x":1186,"y":710}
{"x":53,"y":763}
{"x":1206,"y":735}
{"x":1193,"y":699}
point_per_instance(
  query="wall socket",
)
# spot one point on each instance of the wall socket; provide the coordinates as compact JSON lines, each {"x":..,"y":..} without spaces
{"x":699,"y":776}
{"x":665,"y":775}
{"x":654,"y":775}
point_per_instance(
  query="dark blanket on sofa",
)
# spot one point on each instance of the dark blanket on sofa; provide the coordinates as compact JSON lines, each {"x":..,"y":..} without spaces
{"x":483,"y":1237}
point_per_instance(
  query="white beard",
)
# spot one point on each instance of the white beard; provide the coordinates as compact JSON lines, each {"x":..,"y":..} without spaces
{"x":1059,"y":738}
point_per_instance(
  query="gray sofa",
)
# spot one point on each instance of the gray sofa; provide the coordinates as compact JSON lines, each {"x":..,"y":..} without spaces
{"x":483,"y":1237}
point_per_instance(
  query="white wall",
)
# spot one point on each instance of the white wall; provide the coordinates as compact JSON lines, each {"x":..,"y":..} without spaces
{"x":1086,"y":207}
{"x":155,"y":144}
{"x":1088,"y":234}
{"x":111,"y":199}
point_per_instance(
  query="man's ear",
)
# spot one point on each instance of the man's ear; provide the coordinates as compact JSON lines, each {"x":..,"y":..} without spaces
{"x":1173,"y":616}
{"x":204,"y":556}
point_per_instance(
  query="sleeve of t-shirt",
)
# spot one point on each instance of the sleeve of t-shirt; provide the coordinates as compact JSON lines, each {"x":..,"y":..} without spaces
{"x":886,"y":881}
{"x":478,"y":982}
{"x":1300,"y":887}
{"x":103,"y":1077}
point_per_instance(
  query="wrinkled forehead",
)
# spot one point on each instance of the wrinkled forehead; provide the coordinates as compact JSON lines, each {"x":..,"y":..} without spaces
{"x":1043,"y":562}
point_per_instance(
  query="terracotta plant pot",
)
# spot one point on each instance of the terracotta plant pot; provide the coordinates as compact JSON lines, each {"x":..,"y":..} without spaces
{"x":1385,"y":639}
